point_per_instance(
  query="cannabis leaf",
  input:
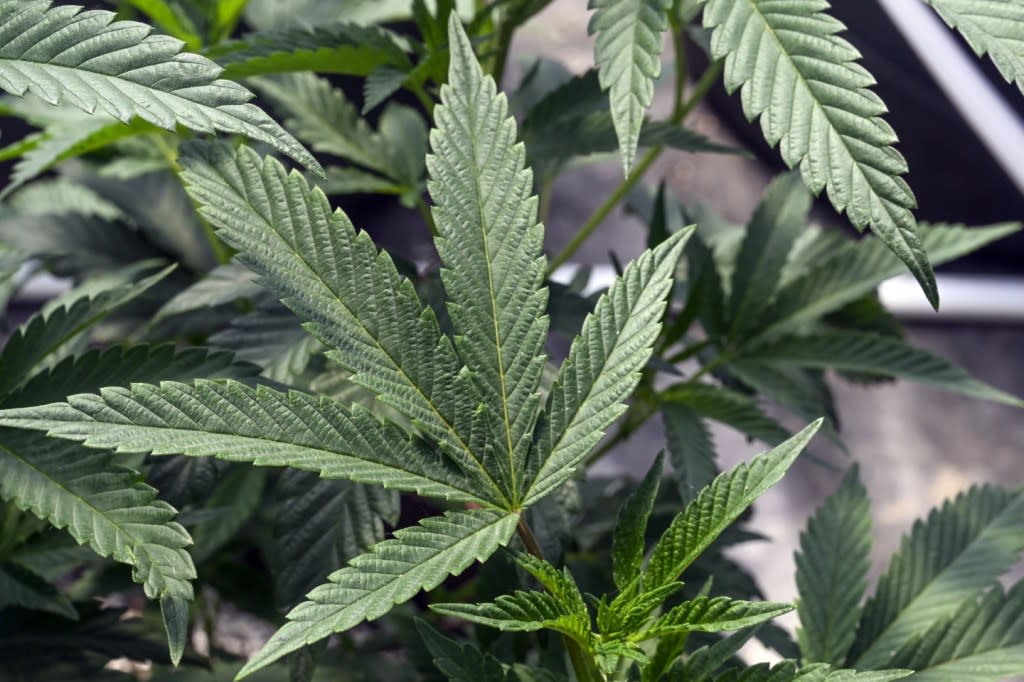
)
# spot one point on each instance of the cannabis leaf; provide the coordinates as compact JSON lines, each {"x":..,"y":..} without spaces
{"x":627,"y":51}
{"x":491,"y":245}
{"x":352,"y":295}
{"x":979,"y":640}
{"x":814,"y":101}
{"x":957,"y":551}
{"x":392,"y":572}
{"x":86,"y":59}
{"x":717,"y":506}
{"x":992,"y":27}
{"x":831,"y":573}
{"x":603,"y":366}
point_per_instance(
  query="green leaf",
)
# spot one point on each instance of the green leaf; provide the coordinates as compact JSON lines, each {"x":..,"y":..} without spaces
{"x":320,"y":525}
{"x":831,"y":573}
{"x":122,"y":366}
{"x":392,"y":572}
{"x":231,"y":421}
{"x":627,"y":51}
{"x":787,"y":671}
{"x":105,"y":506}
{"x":961,"y":548}
{"x":690,"y":449}
{"x":69,"y":139}
{"x":771,"y":233}
{"x":62,"y":197}
{"x":880,"y":355}
{"x":522,"y":612}
{"x":981,"y":641}
{"x":237,"y":497}
{"x":992,"y":27}
{"x":273,"y":338}
{"x":21,"y":587}
{"x":171,"y":18}
{"x":734,"y":409}
{"x":716,"y":507}
{"x":814,"y":98}
{"x":460,"y":661}
{"x":803,"y":392}
{"x":47,"y":331}
{"x":346,"y":49}
{"x":631,"y":526}
{"x":354,"y":298}
{"x":84,"y":58}
{"x":224,"y":284}
{"x":711,"y":614}
{"x":856,"y":270}
{"x":604,"y":365}
{"x":491,"y":249}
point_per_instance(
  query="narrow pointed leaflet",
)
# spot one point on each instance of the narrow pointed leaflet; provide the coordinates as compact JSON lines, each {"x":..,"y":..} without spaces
{"x":490,"y":244}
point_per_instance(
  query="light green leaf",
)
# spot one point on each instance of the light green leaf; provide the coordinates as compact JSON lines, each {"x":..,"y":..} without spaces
{"x":346,"y":49}
{"x":992,"y":27}
{"x":352,"y":295}
{"x":787,"y":671}
{"x":522,"y":612}
{"x":712,"y":614}
{"x":961,"y":548}
{"x":831,"y":573}
{"x":779,"y":220}
{"x":603,"y":366}
{"x":627,"y":51}
{"x":224,"y":284}
{"x":231,"y":421}
{"x":856,"y":270}
{"x":62,"y":197}
{"x":716,"y":507}
{"x":84,"y":58}
{"x":981,"y":641}
{"x":273,"y":338}
{"x":392,"y":572}
{"x":491,"y":249}
{"x":171,"y":18}
{"x":105,"y":506}
{"x":631,"y":526}
{"x":881,"y":355}
{"x":814,"y":100}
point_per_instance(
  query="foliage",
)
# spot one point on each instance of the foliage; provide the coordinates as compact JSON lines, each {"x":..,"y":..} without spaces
{"x":242,"y":399}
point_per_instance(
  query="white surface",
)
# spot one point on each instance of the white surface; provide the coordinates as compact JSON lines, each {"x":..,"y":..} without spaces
{"x":964,"y":297}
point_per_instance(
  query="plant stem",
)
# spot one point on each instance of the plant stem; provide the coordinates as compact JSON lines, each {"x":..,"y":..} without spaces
{"x":680,"y":111}
{"x":582,"y":663}
{"x":428,"y":217}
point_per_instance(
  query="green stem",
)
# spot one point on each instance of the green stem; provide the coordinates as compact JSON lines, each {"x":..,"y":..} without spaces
{"x":546,"y":190}
{"x":428,"y":217}
{"x":679,"y":114}
{"x":582,"y":663}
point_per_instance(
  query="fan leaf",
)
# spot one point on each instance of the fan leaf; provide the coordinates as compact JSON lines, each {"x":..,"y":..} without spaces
{"x":716,"y":507}
{"x":814,"y":100}
{"x":87,"y":60}
{"x":831,"y":573}
{"x":627,"y":51}
{"x":961,"y":548}
{"x":231,"y":421}
{"x":392,"y":572}
{"x":352,"y":295}
{"x":107,"y":507}
{"x":992,"y":27}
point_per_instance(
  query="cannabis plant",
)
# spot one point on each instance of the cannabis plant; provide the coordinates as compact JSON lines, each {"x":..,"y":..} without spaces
{"x":240,"y":392}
